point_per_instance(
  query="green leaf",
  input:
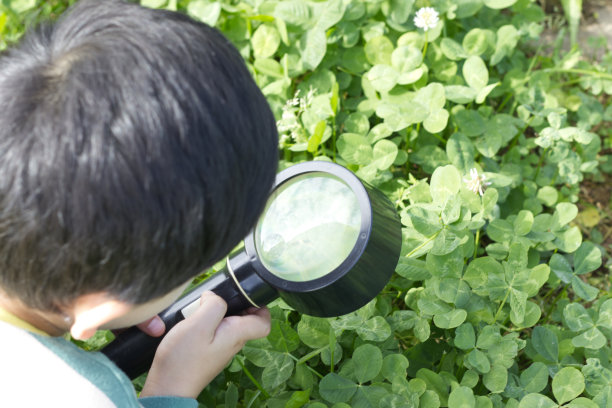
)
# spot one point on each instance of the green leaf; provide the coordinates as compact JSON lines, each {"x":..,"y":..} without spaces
{"x":488,"y":337}
{"x":434,"y":383}
{"x":584,"y":290}
{"x":205,"y":11}
{"x":470,"y":122}
{"x":412,"y":269}
{"x":368,"y":362}
{"x":447,"y":265}
{"x":384,"y":154}
{"x":146,"y":3}
{"x":507,"y":39}
{"x":378,"y":50}
{"x":564,"y":213}
{"x":460,"y":152}
{"x":436,"y":121}
{"x":368,"y":396}
{"x":523,"y":222}
{"x":567,"y":384}
{"x":394,"y":366}
{"x":461,"y":397}
{"x":355,"y":148}
{"x":298,"y":399}
{"x":475,"y":73}
{"x":479,"y":361}
{"x":431,"y":96}
{"x":265,"y":41}
{"x":429,"y":399}
{"x":484,"y":92}
{"x":465,"y":338}
{"x":294,"y":12}
{"x":475,"y":43}
{"x":374,"y":329}
{"x":277,"y":372}
{"x":582,"y":403}
{"x":499,"y":4}
{"x":282,"y":337}
{"x":313,"y":45}
{"x":451,"y":212}
{"x":445,"y":184}
{"x":488,"y":145}
{"x":445,"y":243}
{"x":400,"y":10}
{"x":315,"y":140}
{"x":569,"y":240}
{"x":459,"y":93}
{"x":426,"y":222}
{"x":334,"y":388}
{"x":548,"y":195}
{"x":605,"y":314}
{"x":406,"y":59}
{"x":454,"y":291}
{"x":500,"y":231}
{"x":577,"y":318}
{"x":545,"y":342}
{"x":496,"y":379}
{"x":330,"y":14}
{"x":452,"y":49}
{"x":587,"y":258}
{"x":518,"y":301}
{"x":561,"y":267}
{"x":382,"y":77}
{"x":591,"y":339}
{"x":313,"y":331}
{"x":450,"y":319}
{"x":478,"y":272}
{"x":535,"y":377}
{"x":537,"y":401}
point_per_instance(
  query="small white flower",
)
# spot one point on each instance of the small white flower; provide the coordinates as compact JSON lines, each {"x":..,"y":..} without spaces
{"x":476,"y":182}
{"x":426,"y":18}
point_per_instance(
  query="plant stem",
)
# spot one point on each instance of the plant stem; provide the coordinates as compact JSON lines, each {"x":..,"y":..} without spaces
{"x":540,"y":163}
{"x":501,"y":306}
{"x":253,"y":380}
{"x":476,"y":241}
{"x":427,"y":241}
{"x":597,"y":74}
{"x":306,"y":365}
{"x":253,"y":399}
{"x":425,"y":45}
{"x":310,"y":355}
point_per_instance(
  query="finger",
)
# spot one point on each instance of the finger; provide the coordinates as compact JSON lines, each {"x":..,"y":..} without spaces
{"x":243,"y":328}
{"x":154,"y":327}
{"x":209,"y":315}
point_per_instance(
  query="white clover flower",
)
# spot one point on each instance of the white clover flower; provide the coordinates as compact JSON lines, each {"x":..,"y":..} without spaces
{"x":476,"y":182}
{"x":426,"y":18}
{"x":289,"y":126}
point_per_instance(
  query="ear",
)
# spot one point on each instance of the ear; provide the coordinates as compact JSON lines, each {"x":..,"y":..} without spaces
{"x":94,"y":310}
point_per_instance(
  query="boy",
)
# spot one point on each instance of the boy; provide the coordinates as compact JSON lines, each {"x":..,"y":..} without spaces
{"x":135,"y":151}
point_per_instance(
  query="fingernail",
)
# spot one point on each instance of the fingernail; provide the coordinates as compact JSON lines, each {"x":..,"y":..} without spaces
{"x":156,"y":326}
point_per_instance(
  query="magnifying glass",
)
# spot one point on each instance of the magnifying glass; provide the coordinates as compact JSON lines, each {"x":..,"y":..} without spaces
{"x":326,"y":243}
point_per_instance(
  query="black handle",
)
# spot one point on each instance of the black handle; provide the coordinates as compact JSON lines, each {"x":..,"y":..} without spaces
{"x":133,"y":351}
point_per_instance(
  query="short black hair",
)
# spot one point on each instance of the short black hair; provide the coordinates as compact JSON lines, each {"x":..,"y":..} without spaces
{"x":135,"y":151}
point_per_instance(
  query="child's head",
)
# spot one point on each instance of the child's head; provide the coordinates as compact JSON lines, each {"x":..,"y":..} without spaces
{"x":135,"y":150}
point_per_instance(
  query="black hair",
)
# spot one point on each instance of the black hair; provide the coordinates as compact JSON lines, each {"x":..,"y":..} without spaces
{"x":135,"y":151}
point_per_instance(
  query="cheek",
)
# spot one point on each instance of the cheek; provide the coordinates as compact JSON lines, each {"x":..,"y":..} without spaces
{"x":135,"y":316}
{"x":140,"y":313}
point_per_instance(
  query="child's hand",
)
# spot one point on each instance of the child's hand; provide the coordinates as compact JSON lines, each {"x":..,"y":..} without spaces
{"x":198,"y":348}
{"x":154,"y":327}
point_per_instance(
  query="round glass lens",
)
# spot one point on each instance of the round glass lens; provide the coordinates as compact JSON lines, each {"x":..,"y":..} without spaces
{"x":309,"y":227}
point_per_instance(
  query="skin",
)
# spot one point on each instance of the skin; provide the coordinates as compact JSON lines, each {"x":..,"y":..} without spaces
{"x":191,"y":355}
